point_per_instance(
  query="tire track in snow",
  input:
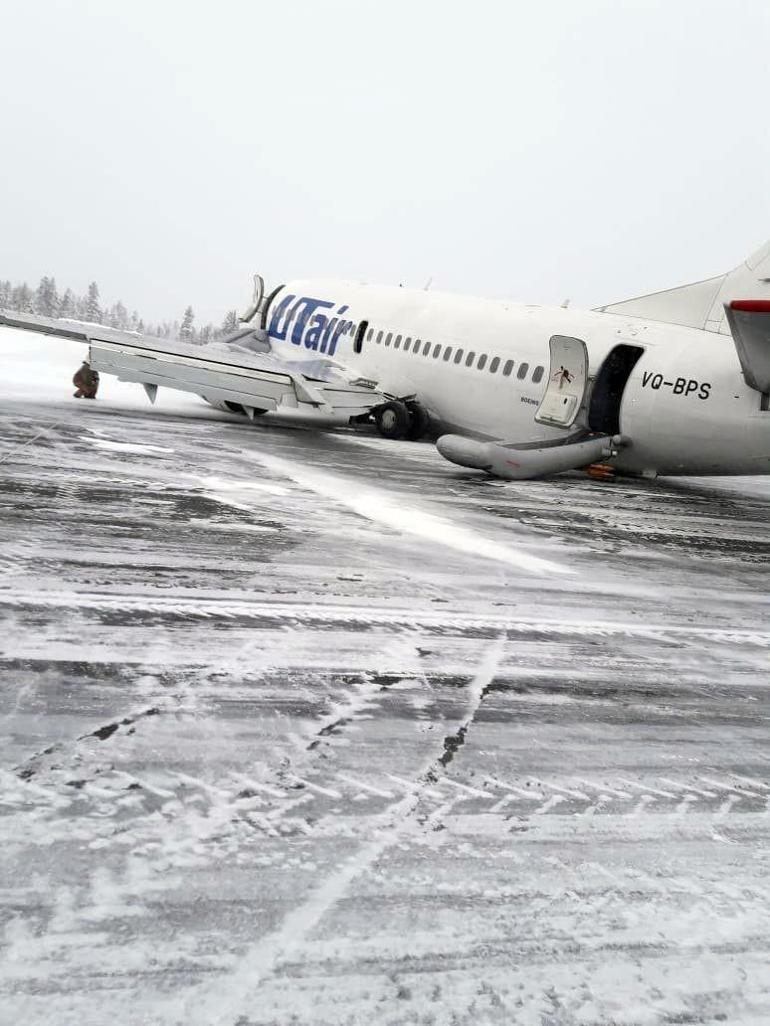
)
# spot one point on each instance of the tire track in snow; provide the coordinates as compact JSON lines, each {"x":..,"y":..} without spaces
{"x":391,"y":511}
{"x":325,"y":613}
{"x":222,"y":1002}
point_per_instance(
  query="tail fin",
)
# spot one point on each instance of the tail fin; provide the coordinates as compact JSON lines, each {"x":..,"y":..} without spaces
{"x":701,"y":305}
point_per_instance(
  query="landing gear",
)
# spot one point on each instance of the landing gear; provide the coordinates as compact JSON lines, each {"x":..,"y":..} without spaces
{"x":418,"y":421}
{"x":401,"y":420}
{"x":392,"y":419}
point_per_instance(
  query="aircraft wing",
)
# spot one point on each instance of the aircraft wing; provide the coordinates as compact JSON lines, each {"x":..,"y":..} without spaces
{"x":244,"y":372}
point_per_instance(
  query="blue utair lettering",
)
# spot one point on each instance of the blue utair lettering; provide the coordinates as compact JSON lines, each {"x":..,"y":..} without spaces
{"x":276,"y":329}
{"x":333,"y":331}
{"x":306,"y":306}
{"x":308,"y":323}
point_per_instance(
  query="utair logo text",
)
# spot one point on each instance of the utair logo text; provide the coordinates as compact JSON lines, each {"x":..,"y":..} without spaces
{"x":310,"y":322}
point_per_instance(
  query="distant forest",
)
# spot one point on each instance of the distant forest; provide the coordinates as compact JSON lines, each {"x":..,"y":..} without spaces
{"x":48,"y":302}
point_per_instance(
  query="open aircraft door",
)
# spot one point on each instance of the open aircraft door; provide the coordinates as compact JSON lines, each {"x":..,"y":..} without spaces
{"x":567,"y":382}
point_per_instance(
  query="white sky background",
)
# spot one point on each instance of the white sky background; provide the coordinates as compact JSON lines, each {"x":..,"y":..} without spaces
{"x":534,"y":150}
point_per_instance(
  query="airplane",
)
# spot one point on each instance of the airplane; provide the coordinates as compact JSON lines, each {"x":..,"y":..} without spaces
{"x":671,"y":383}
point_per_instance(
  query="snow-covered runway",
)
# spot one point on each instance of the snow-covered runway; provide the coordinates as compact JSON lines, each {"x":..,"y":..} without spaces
{"x":318,"y":729}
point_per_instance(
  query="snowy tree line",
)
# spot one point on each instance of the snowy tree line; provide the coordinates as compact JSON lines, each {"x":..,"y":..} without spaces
{"x":46,"y":301}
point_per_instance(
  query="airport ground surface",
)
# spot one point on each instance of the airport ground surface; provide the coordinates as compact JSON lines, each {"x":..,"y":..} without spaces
{"x":316,"y":729}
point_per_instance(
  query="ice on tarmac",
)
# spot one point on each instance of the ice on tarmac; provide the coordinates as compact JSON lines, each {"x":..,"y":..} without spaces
{"x":318,"y":729}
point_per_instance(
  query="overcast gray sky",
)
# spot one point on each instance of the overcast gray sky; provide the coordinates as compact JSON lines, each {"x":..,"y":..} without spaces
{"x":534,"y":150}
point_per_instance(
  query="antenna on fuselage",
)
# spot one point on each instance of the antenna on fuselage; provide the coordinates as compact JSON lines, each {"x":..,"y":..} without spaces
{"x":428,"y":284}
{"x":565,"y":304}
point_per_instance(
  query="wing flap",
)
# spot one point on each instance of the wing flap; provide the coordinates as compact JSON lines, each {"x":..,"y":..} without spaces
{"x":184,"y":374}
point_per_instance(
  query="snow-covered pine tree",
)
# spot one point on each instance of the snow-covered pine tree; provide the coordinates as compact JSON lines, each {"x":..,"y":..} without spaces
{"x":230,"y":323}
{"x":22,"y":299}
{"x":68,"y":305}
{"x":92,"y":311}
{"x":46,"y":298}
{"x":187,"y":331}
{"x":206,"y":333}
{"x":118,"y":316}
{"x":40,"y":295}
{"x":5,"y":295}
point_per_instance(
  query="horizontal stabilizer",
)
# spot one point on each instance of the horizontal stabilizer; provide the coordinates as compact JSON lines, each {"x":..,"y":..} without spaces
{"x":749,"y":321}
{"x":702,"y":304}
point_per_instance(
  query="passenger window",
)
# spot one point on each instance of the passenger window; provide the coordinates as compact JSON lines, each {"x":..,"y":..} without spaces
{"x":379,"y":337}
{"x":436,"y":352}
{"x":458,"y":355}
{"x":523,"y":368}
{"x":507,"y":368}
{"x":358,"y":341}
{"x":426,"y":349}
{"x":397,"y":343}
{"x":538,"y":374}
{"x":370,"y":335}
{"x":482,"y":362}
{"x":469,"y":359}
{"x":447,"y":353}
{"x":494,"y":365}
{"x":407,"y":345}
{"x":388,"y":337}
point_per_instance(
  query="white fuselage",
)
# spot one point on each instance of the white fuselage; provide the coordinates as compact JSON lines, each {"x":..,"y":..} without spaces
{"x":481,"y":368}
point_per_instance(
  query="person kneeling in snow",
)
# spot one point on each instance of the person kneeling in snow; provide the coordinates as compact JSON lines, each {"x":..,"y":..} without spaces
{"x":86,"y":381}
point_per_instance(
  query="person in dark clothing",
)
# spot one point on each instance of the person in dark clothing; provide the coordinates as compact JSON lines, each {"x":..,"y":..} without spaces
{"x":86,"y":381}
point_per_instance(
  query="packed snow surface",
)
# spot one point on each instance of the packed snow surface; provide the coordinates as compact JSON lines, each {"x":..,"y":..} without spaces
{"x":318,"y":729}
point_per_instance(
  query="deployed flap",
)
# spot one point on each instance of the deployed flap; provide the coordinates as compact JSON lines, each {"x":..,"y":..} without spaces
{"x":189,"y":368}
{"x":566,"y":384}
{"x":749,"y":321}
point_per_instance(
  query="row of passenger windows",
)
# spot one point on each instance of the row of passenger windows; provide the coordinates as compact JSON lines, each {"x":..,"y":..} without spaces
{"x":447,"y":353}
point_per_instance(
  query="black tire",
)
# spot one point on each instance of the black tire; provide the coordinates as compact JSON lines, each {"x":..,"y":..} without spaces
{"x":392,"y":420}
{"x":419,"y":421}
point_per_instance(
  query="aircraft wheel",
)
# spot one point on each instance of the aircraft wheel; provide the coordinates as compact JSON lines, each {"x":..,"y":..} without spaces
{"x":392,"y":420}
{"x":418,"y":421}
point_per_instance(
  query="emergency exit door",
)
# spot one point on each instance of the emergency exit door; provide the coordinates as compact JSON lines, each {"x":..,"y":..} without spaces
{"x":567,"y":382}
